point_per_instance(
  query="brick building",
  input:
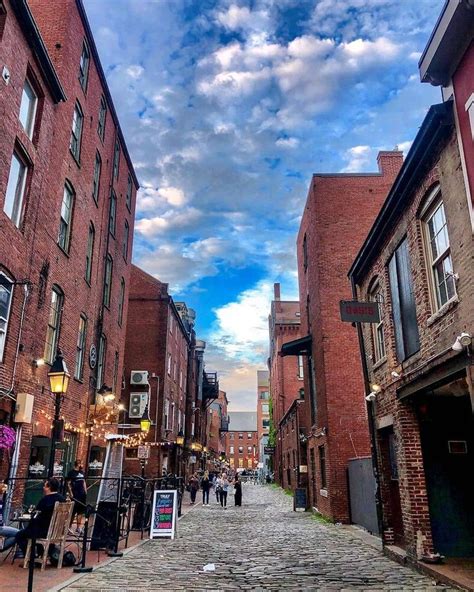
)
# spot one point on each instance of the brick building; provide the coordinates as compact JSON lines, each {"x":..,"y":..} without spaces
{"x":67,"y":200}
{"x":242,"y":440}
{"x":263,"y":405}
{"x":333,"y":379}
{"x":286,"y":380}
{"x":158,"y":343}
{"x":217,"y":427}
{"x":420,"y":270}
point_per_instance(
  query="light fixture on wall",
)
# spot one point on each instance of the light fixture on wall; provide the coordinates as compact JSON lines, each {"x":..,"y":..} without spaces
{"x":395,"y":374}
{"x":463,"y":340}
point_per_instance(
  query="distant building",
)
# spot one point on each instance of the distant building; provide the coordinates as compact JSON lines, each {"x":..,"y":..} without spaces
{"x":218,"y":425}
{"x":242,"y":440}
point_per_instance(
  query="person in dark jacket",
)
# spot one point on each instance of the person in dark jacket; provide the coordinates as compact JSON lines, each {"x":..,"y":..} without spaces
{"x":193,"y":487}
{"x":238,"y":491}
{"x":78,"y":491}
{"x":205,"y":486}
{"x":39,"y":524}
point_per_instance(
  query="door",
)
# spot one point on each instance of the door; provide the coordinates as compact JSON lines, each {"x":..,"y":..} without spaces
{"x":390,"y":485}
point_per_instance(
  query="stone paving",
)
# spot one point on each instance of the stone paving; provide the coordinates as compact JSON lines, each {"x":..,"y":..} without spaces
{"x":263,"y":545}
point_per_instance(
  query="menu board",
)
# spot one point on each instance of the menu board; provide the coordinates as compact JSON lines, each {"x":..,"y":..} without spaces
{"x":300,"y":501}
{"x":165,"y":508}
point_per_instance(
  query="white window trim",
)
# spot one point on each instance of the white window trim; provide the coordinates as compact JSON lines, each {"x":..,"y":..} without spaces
{"x":469,"y":107}
{"x":19,"y":195}
{"x":30,"y":126}
{"x":7,"y":318}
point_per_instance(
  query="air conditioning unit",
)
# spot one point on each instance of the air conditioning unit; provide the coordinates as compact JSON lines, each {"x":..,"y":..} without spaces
{"x":137,"y":406}
{"x":139,"y":377}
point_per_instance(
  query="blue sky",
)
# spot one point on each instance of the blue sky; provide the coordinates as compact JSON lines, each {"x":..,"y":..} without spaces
{"x":228,"y":108}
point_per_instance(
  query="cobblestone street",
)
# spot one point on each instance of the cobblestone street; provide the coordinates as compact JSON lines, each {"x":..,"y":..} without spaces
{"x":262,"y":546}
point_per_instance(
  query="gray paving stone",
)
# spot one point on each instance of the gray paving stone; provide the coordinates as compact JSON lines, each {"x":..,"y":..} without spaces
{"x":261,"y":546}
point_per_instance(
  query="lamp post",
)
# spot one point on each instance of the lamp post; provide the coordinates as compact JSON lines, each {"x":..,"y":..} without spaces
{"x":145,"y":422}
{"x":59,"y":382}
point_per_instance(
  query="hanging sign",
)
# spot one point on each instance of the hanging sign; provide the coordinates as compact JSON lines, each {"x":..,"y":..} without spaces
{"x":164,"y":512}
{"x":359,"y":312}
{"x":143,"y":452}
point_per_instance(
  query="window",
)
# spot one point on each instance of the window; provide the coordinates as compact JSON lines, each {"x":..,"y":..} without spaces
{"x":101,"y":355}
{"x":112,"y":213}
{"x":80,"y":348}
{"x":322,"y":466}
{"x":249,"y":450}
{"x":301,"y":394}
{"x":126,"y":237}
{"x":305,"y":252}
{"x":407,"y":338}
{"x":264,"y":395}
{"x":131,"y":453}
{"x":266,"y":423}
{"x":102,"y":117}
{"x":171,"y":325}
{"x":439,"y":255}
{"x":3,"y":17}
{"x":249,"y":435}
{"x":265,"y":409}
{"x":108,"y":280}
{"x":231,"y":450}
{"x":6,"y":291}
{"x":231,"y":436}
{"x":169,"y":364}
{"x":241,"y":449}
{"x":121,"y":301}
{"x":378,"y":338}
{"x":13,"y":206}
{"x":84,"y":66}
{"x":54,"y":324}
{"x":96,"y":179}
{"x":90,"y":253}
{"x":116,"y":158}
{"x":241,"y":436}
{"x":29,"y":102}
{"x":172,"y":417}
{"x":166,"y":414}
{"x":300,"y":367}
{"x":469,"y":106}
{"x":76,"y":132}
{"x":128,"y":197}
{"x":115,"y":375}
{"x":64,"y":238}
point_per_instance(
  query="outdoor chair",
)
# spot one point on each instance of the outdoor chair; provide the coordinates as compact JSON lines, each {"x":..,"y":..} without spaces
{"x":57,"y":533}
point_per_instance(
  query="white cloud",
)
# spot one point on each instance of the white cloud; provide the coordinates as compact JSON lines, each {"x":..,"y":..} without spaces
{"x":358,"y":157}
{"x":169,"y":221}
{"x":135,"y":71}
{"x":405,"y":146}
{"x":241,"y":18}
{"x":151,"y":199}
{"x":287,"y":142}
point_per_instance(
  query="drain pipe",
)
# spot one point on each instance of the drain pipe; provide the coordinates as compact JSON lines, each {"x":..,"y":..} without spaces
{"x":371,"y":417}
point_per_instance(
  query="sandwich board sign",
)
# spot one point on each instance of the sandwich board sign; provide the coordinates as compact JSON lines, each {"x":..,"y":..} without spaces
{"x":164,"y":513}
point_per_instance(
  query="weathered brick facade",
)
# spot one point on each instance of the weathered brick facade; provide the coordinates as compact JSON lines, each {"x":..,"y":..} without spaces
{"x":31,"y":254}
{"x":242,"y":449}
{"x":339,"y":211}
{"x":423,"y":407}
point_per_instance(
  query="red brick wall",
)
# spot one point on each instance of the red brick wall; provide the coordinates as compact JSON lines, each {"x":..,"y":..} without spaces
{"x":332,"y":243}
{"x":437,"y":333}
{"x":33,"y":248}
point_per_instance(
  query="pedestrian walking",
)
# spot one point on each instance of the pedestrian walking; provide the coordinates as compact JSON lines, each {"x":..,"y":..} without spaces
{"x":225,"y":490}
{"x":205,"y":486}
{"x":218,"y":489}
{"x":238,"y":491}
{"x":193,"y":487}
{"x":77,"y":488}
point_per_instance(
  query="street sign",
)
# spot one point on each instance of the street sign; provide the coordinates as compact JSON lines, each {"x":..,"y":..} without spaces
{"x":269,"y":449}
{"x":164,"y":511}
{"x":143,"y":452}
{"x":353,"y":311}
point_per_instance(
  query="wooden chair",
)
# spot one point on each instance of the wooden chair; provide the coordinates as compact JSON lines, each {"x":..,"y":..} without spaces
{"x":57,"y":533}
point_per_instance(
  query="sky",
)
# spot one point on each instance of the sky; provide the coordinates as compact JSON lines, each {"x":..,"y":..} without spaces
{"x":228,"y":108}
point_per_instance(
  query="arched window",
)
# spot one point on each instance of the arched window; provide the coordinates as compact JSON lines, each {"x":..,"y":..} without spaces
{"x":378,"y":336}
{"x":54,"y":324}
{"x":65,"y":222}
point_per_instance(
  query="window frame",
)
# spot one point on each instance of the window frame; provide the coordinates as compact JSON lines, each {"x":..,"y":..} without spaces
{"x":69,"y":189}
{"x":84,"y":71}
{"x":6,"y":318}
{"x":29,"y":128}
{"x":90,"y":253}
{"x":108,"y":271}
{"x":434,"y":204}
{"x":116,"y":161}
{"x":126,"y":239}
{"x":80,"y":347}
{"x":128,"y":196}
{"x":322,"y":466}
{"x":76,"y":140}
{"x":121,"y":301}
{"x":102,"y":118}
{"x":51,"y":345}
{"x":96,"y":177}
{"x":300,"y":364}
{"x":377,"y":330}
{"x":101,"y":360}
{"x":18,"y":203}
{"x":113,"y":213}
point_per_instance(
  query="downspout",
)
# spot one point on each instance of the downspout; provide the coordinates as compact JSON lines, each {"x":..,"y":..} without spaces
{"x":371,"y":418}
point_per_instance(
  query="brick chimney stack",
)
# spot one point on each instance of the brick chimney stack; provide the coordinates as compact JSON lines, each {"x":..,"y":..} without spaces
{"x":390,"y":162}
{"x":276,"y":292}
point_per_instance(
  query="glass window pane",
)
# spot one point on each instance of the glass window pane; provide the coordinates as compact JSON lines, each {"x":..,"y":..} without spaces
{"x":15,"y":190}
{"x":28,"y":108}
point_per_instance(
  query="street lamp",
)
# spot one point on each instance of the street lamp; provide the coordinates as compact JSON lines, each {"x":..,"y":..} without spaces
{"x":59,"y":381}
{"x":145,"y":422}
{"x":180,"y":438}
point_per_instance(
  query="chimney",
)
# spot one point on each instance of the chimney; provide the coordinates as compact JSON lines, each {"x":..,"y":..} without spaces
{"x":390,"y":162}
{"x":276,"y":291}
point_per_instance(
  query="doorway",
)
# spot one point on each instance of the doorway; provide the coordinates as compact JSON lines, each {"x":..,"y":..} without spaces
{"x":391,"y":488}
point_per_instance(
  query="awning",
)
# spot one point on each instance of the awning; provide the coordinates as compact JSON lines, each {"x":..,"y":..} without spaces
{"x":297,"y":347}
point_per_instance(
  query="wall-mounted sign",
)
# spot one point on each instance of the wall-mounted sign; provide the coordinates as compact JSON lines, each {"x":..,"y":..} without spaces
{"x":92,"y":357}
{"x":143,"y":452}
{"x":269,"y":449}
{"x":164,"y":511}
{"x":359,"y":312}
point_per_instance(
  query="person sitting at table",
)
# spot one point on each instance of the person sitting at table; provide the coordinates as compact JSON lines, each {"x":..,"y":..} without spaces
{"x":7,"y":533}
{"x":39,"y":525}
